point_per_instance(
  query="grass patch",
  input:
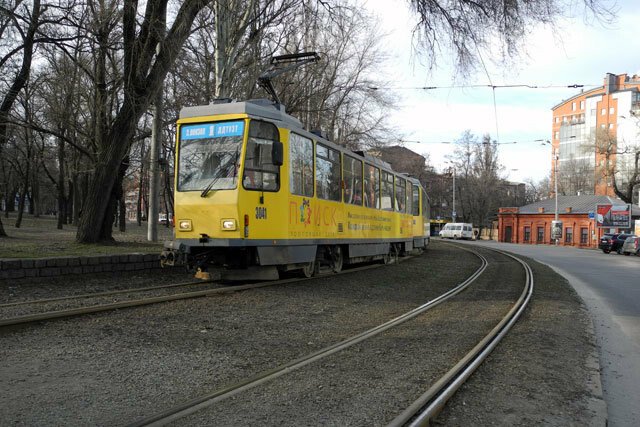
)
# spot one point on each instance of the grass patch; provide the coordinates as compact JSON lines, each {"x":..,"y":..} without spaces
{"x":39,"y":238}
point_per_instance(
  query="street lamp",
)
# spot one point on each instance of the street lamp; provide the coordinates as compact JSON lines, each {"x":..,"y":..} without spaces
{"x":452,"y":168}
{"x":556,"y":224}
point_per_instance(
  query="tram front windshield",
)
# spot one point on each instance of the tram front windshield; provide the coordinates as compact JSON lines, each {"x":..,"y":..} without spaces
{"x":209,"y":156}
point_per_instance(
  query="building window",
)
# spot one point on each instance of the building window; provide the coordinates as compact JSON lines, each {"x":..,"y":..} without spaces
{"x":556,"y":135}
{"x":612,"y":110}
{"x":573,"y":106}
{"x":593,"y":112}
{"x":568,"y":235}
{"x":527,"y":234}
{"x":557,"y":119}
{"x":540,"y":237}
{"x":603,"y":111}
{"x":582,"y":105}
{"x":584,"y":235}
{"x":610,"y":126}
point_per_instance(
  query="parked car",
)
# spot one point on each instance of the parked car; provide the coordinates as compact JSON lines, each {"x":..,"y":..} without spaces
{"x":613,"y":242}
{"x":631,"y":246}
{"x":457,"y":230}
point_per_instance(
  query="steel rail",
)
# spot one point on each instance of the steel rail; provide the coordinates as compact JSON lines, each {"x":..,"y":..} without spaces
{"x":103,"y":294}
{"x":60,"y":314}
{"x":204,"y":401}
{"x":428,"y":405}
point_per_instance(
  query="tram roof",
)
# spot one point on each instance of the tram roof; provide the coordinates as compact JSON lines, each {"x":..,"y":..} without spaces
{"x":252,"y":107}
{"x":268,"y":109}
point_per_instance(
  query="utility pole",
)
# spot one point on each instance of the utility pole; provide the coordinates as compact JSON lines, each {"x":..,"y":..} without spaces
{"x":453,"y":213}
{"x":555,"y":190}
{"x":154,"y":166}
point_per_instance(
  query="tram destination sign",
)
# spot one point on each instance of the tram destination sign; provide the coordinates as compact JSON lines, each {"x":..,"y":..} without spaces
{"x":608,"y":216}
{"x":212,"y":130}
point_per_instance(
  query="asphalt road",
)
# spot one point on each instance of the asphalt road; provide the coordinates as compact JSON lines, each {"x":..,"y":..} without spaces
{"x":610,"y":287}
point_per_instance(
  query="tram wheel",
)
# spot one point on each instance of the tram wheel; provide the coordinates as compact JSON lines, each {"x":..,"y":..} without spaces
{"x":309,"y":269}
{"x":392,"y":256}
{"x":337,"y":260}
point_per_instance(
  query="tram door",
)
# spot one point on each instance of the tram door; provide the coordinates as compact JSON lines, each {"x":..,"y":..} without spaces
{"x":508,"y":232}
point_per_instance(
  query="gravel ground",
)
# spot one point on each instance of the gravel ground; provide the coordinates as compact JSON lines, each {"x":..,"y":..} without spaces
{"x":113,"y":368}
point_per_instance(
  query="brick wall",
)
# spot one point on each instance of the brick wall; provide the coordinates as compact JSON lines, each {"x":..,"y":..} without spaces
{"x":59,"y":266}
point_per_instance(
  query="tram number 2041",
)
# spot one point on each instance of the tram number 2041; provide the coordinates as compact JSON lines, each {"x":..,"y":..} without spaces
{"x":261,"y":212}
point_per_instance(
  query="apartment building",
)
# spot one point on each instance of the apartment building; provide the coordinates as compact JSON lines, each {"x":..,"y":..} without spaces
{"x":594,"y":136}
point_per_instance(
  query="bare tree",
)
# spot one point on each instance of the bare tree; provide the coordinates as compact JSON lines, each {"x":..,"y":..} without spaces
{"x":143,"y":73}
{"x":469,"y":28}
{"x":575,"y":176}
{"x":26,"y":21}
{"x":627,"y":173}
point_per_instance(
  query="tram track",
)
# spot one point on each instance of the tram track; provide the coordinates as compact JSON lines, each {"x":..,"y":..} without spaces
{"x":139,"y":302}
{"x":204,"y":401}
{"x":428,"y":405}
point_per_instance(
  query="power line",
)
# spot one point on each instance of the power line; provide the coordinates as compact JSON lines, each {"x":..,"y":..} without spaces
{"x":490,"y":86}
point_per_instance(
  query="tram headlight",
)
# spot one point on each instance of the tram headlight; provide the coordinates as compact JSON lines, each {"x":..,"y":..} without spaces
{"x":229,"y":225}
{"x":184,"y":225}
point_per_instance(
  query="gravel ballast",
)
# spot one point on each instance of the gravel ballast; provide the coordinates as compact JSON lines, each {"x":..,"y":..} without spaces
{"x":114,"y":368}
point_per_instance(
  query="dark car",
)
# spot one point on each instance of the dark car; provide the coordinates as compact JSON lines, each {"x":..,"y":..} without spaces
{"x":612,"y":242}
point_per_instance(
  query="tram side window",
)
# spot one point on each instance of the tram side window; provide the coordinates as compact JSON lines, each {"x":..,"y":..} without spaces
{"x":300,"y":165}
{"x":401,"y":195}
{"x":327,"y":173}
{"x":387,"y":191}
{"x":371,"y":186}
{"x":426,"y":207}
{"x":352,"y":176}
{"x":415,"y":205}
{"x":259,"y":171}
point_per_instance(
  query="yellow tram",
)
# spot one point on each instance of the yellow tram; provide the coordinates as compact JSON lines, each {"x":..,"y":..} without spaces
{"x":255,"y":193}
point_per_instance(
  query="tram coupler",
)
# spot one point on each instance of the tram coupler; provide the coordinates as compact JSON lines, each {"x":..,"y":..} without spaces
{"x":202,"y":275}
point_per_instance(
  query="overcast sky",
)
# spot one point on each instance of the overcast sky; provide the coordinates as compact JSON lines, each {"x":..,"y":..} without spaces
{"x":582,"y":54}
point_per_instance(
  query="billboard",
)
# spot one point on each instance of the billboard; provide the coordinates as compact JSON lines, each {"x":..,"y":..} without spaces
{"x":612,"y":216}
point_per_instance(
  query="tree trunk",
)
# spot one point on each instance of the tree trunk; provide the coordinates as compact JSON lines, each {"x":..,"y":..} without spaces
{"x":122,"y":209}
{"x":76,"y":195}
{"x":68,"y":206}
{"x":23,"y":196}
{"x":119,"y":195}
{"x":62,"y":212}
{"x":95,"y":222}
{"x":140,"y":186}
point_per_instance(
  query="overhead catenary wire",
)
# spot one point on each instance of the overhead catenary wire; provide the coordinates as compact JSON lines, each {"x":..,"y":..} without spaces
{"x":489,"y":86}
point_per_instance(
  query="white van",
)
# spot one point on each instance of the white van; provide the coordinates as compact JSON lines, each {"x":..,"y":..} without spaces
{"x":457,"y":230}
